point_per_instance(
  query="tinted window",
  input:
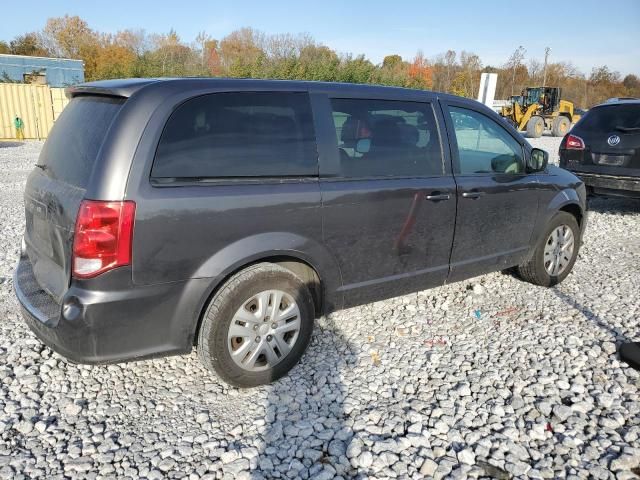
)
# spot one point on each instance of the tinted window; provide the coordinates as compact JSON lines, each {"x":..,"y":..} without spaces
{"x":386,"y":138}
{"x":72,"y":147}
{"x":239,"y":135}
{"x":612,"y":117}
{"x":483,"y":145}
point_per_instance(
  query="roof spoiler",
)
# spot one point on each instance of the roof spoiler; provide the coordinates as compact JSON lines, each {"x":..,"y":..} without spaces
{"x":111,"y":88}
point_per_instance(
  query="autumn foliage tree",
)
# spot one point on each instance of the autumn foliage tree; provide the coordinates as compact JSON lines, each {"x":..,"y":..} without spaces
{"x":420,"y":73}
{"x":114,"y":60}
{"x":247,"y":52}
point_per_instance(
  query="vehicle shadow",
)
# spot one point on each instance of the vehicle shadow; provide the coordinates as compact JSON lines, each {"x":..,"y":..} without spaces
{"x":9,"y":144}
{"x":616,"y":205}
{"x":305,"y":431}
{"x":618,"y":336}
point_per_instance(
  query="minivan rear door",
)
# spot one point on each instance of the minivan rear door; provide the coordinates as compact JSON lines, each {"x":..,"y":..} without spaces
{"x":388,"y":196}
{"x":57,"y":185}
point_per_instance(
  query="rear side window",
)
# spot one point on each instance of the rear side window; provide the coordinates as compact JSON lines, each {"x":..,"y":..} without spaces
{"x":386,"y":138}
{"x":243,"y":134}
{"x":612,"y":117}
{"x":71,"y":149}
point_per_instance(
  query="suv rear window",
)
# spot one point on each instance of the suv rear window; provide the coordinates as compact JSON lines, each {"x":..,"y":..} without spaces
{"x":71,"y":149}
{"x":612,"y":117}
{"x":245,"y":134}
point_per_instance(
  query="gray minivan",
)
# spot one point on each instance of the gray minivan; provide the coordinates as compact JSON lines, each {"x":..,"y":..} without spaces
{"x":227,"y":214}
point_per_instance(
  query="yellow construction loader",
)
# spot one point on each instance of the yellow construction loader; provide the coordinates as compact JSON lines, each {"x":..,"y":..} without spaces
{"x":539,"y":109}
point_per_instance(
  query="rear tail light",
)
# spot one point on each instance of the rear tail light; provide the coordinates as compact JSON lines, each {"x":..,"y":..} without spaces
{"x":574,"y":143}
{"x":103,"y":235}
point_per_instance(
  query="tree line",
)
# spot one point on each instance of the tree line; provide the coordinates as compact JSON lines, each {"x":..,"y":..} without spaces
{"x":248,"y":52}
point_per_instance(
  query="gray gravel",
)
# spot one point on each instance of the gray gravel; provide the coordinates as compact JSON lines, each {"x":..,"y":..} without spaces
{"x":550,"y":144}
{"x":489,"y":377}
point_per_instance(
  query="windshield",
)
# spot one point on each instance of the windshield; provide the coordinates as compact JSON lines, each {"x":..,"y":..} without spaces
{"x":533,"y":95}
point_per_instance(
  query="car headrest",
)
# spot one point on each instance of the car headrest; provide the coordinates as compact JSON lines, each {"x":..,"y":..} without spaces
{"x":350,"y":131}
{"x":386,"y":133}
{"x":409,"y":134}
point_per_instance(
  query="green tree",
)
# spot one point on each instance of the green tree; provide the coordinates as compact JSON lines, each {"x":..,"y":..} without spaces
{"x":355,"y":69}
{"x":392,"y":62}
{"x":27,"y":44}
{"x":317,"y":62}
{"x":392,"y":72}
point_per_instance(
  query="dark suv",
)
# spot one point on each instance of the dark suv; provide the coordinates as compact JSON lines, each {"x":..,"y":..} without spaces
{"x":604,"y":148}
{"x":228,"y":214}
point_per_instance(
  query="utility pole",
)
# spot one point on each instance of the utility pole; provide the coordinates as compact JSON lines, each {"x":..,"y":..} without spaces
{"x":547,"y":51}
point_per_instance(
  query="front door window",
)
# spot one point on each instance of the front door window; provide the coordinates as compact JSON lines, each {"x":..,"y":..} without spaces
{"x":483,"y":145}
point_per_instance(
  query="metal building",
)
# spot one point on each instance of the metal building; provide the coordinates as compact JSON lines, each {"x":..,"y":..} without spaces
{"x":55,"y":72}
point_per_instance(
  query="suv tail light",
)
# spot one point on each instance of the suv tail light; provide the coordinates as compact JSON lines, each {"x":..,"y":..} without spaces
{"x":102,"y":239}
{"x":574,"y":143}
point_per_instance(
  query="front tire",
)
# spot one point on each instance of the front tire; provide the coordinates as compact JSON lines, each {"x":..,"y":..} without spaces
{"x":257,"y":326}
{"x":535,"y":127}
{"x":556,"y":252}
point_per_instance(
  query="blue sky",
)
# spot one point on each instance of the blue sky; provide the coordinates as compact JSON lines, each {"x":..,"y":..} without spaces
{"x":584,"y":32}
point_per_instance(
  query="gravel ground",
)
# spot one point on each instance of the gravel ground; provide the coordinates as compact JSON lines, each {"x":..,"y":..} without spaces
{"x":551,"y":145}
{"x":491,"y":377}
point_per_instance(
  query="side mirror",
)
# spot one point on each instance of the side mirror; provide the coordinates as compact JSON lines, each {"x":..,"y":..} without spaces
{"x":363,"y":145}
{"x":538,"y":160}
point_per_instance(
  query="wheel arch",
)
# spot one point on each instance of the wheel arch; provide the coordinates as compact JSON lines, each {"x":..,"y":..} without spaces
{"x":300,"y":267}
{"x":575,"y":210}
{"x":565,"y":200}
{"x":313,"y":264}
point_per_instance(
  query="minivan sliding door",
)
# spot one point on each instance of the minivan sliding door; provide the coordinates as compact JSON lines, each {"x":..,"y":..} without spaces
{"x":388,"y":196}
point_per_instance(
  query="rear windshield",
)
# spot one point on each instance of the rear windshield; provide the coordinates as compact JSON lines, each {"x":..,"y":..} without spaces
{"x":70,"y":151}
{"x":243,"y":134}
{"x":612,"y":117}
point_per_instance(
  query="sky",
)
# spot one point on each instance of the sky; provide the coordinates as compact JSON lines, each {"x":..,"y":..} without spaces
{"x":586,"y":33}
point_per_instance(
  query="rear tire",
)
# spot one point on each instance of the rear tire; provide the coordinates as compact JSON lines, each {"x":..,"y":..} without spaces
{"x":536,"y":270}
{"x":259,"y":349}
{"x":561,"y":126}
{"x":535,"y":127}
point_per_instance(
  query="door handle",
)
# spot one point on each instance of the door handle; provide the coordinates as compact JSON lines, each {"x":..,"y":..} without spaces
{"x":436,"y":197}
{"x":472,"y":194}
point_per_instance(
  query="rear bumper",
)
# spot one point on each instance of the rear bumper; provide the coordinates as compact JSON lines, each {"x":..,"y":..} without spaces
{"x":96,"y":323}
{"x":611,"y":184}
